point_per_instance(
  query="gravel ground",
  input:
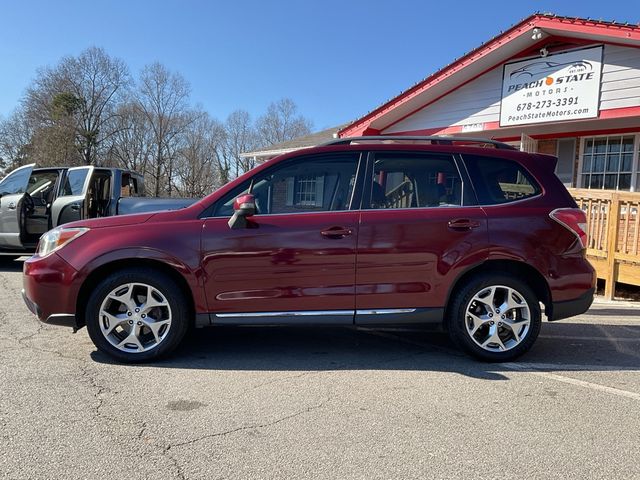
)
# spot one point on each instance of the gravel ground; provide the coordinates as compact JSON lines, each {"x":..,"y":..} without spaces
{"x":330,"y":403}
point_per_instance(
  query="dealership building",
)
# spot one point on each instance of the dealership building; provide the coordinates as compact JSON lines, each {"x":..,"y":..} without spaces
{"x":569,"y":87}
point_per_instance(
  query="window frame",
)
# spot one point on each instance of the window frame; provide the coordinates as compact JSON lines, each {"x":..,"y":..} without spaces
{"x":468,"y":194}
{"x":356,"y":194}
{"x":635,"y":162}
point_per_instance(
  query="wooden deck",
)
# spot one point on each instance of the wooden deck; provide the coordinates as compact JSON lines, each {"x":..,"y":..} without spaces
{"x":613,"y":228}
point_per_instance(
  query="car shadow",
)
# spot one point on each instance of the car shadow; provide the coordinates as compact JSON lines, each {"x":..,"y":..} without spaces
{"x":561,"y":347}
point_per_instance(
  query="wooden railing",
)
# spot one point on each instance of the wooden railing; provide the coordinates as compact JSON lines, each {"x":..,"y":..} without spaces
{"x":613,"y":229}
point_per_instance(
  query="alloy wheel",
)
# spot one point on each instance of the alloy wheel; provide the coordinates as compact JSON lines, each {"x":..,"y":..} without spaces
{"x":135,"y":317}
{"x":498,"y":318}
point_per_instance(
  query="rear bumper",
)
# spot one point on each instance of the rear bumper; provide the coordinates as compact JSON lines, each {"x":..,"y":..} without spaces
{"x":571,"y":308}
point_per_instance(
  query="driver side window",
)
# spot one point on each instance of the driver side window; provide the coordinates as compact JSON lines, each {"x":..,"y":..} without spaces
{"x":319,"y":183}
{"x":15,"y":182}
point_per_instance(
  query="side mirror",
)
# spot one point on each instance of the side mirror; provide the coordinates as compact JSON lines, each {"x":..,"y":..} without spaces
{"x":244,"y":206}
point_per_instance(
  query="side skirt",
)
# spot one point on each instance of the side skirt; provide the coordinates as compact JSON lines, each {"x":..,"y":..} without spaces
{"x":386,"y":316}
{"x":399,"y":316}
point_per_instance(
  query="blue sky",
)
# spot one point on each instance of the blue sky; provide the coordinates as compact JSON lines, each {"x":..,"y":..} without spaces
{"x":335,"y":59}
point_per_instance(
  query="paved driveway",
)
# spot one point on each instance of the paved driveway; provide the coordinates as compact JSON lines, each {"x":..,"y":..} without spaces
{"x":320,"y":403}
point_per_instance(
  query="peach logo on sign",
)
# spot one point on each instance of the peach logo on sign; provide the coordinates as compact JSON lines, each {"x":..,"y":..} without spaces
{"x":548,"y":81}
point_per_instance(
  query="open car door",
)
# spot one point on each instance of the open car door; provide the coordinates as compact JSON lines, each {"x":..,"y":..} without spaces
{"x":71,"y":203}
{"x":12,"y":190}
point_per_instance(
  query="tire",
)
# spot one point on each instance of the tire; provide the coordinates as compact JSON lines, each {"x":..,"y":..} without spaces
{"x":123,"y":323}
{"x":491,"y":334}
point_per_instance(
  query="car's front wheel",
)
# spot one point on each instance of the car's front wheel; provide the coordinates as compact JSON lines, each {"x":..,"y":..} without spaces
{"x":494,"y":317}
{"x":137,"y":315}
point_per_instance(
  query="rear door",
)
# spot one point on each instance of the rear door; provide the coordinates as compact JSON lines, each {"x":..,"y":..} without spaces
{"x":12,"y":190}
{"x":420,"y":229}
{"x":71,"y":203}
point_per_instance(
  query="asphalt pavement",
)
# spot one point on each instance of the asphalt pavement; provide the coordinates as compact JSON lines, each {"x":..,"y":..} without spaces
{"x":333,"y":403}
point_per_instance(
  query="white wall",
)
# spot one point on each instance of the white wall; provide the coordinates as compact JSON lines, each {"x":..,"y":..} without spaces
{"x":479,"y":100}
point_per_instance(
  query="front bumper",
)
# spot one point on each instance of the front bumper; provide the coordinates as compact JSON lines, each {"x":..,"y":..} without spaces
{"x":571,"y":308}
{"x":50,"y":288}
{"x":61,"y":319}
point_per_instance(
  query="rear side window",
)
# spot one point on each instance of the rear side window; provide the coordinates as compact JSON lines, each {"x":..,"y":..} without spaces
{"x":497,"y":180}
{"x":403,"y":180}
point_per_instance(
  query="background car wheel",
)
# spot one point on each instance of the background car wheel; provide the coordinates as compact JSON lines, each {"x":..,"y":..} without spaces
{"x":494,"y":317}
{"x":137,"y":315}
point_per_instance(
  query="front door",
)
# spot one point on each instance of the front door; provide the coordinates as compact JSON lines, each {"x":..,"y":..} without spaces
{"x":420,"y":230}
{"x":12,"y":190}
{"x":296,"y":258}
{"x":71,"y":203}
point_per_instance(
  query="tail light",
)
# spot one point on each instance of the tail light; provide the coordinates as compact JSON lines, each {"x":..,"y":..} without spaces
{"x":573,"y":219}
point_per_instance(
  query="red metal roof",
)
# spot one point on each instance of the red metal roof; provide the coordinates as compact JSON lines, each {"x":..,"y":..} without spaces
{"x":552,"y":25}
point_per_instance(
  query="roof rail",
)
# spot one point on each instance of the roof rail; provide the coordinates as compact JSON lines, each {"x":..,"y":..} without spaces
{"x":435,"y":140}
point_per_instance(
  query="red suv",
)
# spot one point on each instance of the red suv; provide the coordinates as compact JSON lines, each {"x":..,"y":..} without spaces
{"x":360,"y":231}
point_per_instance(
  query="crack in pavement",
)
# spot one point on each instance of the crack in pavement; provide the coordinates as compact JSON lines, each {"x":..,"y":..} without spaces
{"x":99,"y":390}
{"x":251,"y":427}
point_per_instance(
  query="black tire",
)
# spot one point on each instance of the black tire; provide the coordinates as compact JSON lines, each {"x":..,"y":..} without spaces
{"x":457,"y":317}
{"x":175,"y":298}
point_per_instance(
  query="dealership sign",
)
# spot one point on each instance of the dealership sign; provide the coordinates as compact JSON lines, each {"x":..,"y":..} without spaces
{"x":560,"y":87}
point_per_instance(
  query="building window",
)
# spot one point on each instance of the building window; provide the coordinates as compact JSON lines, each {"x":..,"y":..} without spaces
{"x":607,"y":163}
{"x":306,"y":191}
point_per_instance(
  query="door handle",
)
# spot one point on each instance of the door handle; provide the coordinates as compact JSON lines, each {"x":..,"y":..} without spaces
{"x":463,"y":224}
{"x":335,"y":232}
{"x":75,"y":207}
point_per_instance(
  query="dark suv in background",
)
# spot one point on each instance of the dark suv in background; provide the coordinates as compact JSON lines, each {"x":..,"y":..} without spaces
{"x":467,"y":233}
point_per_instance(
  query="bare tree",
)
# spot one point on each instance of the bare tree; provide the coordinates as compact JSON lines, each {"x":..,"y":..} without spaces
{"x":239,"y":136}
{"x":86,"y":110}
{"x":281,"y":123}
{"x":80,"y":93}
{"x":131,"y":144}
{"x":15,"y":141}
{"x":196,"y":166}
{"x":162,"y":97}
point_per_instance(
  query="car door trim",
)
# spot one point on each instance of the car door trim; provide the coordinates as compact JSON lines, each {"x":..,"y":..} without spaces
{"x":367,"y":316}
{"x":302,"y":313}
{"x":306,"y":317}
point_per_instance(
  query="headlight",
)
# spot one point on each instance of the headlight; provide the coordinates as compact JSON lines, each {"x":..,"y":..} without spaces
{"x":57,"y":238}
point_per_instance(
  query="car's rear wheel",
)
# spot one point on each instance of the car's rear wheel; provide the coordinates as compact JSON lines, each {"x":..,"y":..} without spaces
{"x":137,"y":315}
{"x":494,"y":317}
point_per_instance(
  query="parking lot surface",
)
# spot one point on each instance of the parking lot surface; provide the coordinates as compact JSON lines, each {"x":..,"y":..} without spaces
{"x":331,"y":403}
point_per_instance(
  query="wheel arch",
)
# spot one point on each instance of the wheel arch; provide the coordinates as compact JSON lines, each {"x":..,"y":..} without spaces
{"x":104,"y":270}
{"x":516,"y":268}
